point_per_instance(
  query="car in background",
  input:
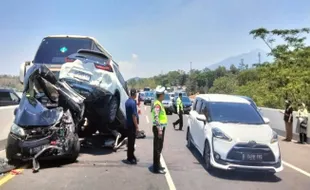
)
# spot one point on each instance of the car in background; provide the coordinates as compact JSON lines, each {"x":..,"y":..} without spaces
{"x":141,"y":96}
{"x":147,"y":89}
{"x":149,"y":96}
{"x":98,"y":78}
{"x":171,"y":94}
{"x":54,"y":51}
{"x":231,"y":134}
{"x":176,"y":94}
{"x":187,"y":104}
{"x":168,"y":104}
{"x":8,"y":97}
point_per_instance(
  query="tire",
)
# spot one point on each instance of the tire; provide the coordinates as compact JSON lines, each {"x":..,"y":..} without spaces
{"x":75,"y":151}
{"x":113,"y":108}
{"x":188,"y":138}
{"x":207,"y":157}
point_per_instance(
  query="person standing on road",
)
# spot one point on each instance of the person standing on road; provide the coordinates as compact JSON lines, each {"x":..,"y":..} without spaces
{"x":302,"y":120}
{"x":288,"y":119}
{"x":160,"y":121}
{"x":131,"y":126}
{"x":179,"y":112}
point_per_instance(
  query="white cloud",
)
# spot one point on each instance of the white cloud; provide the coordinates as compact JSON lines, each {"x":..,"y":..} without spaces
{"x":129,"y":68}
{"x":134,"y":56}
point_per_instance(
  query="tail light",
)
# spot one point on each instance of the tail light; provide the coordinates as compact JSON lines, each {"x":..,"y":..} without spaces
{"x":106,"y":66}
{"x":69,"y":60}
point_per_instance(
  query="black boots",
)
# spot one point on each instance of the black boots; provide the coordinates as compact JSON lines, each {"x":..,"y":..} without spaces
{"x":302,"y":138}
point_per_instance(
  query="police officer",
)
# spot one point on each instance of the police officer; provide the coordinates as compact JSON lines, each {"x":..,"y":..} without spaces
{"x":179,"y":112}
{"x":160,"y":121}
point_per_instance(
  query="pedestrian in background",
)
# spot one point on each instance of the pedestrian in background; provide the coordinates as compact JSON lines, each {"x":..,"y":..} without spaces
{"x":132,"y":119}
{"x":302,"y":122}
{"x":179,"y":112}
{"x":288,"y":120}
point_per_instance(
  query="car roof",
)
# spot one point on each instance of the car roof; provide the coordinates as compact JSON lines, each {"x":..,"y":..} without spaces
{"x":6,"y":90}
{"x":79,"y":36}
{"x":223,"y":98}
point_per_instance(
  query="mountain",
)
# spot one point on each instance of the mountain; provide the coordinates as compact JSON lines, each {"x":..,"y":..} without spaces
{"x":249,"y":59}
{"x":134,"y":78}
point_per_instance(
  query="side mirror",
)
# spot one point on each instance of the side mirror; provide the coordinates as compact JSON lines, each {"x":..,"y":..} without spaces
{"x":23,"y":69}
{"x":202,"y":118}
{"x":266,"y":120}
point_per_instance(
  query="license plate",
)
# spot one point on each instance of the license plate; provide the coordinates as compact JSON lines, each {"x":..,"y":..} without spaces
{"x":80,"y":75}
{"x":36,"y":149}
{"x":252,"y":157}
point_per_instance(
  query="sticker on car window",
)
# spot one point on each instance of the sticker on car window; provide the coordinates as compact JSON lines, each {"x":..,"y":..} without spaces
{"x":63,"y":49}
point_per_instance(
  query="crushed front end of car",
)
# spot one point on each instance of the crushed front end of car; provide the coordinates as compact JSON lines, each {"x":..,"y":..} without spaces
{"x":45,"y":121}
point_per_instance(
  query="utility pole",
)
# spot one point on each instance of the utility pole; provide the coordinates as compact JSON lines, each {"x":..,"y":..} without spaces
{"x":259,"y":58}
{"x":190,"y":66}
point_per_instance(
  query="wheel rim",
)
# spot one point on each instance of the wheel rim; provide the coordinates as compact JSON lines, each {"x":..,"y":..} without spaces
{"x":207,"y":155}
{"x":113,"y":108}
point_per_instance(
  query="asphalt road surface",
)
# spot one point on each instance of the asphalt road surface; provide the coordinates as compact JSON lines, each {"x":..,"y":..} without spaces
{"x":99,"y":168}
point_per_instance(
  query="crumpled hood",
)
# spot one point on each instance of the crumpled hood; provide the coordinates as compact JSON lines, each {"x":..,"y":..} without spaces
{"x":244,"y":133}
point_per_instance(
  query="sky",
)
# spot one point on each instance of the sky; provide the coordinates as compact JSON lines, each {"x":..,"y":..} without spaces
{"x":147,"y":37}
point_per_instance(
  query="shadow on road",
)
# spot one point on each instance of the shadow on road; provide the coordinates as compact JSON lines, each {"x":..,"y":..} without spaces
{"x":236,"y":175}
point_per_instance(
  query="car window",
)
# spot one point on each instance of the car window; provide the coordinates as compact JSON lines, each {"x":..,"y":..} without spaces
{"x":55,"y":50}
{"x":120,"y":78}
{"x":185,"y":99}
{"x":167,"y":97}
{"x":198,"y":106}
{"x":14,"y":97}
{"x":234,"y":113}
{"x":5,"y":96}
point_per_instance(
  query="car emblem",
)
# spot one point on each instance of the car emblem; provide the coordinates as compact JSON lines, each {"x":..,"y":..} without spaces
{"x":252,"y":143}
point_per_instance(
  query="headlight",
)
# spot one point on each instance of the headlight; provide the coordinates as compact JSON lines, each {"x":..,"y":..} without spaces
{"x":16,"y":130}
{"x":274,"y":137}
{"x":217,"y":133}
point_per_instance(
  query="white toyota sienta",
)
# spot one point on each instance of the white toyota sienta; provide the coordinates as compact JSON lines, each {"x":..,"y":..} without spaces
{"x":232,"y":135}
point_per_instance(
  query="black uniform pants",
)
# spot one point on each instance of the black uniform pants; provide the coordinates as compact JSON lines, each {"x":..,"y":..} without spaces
{"x":158,"y":144}
{"x":131,"y":135}
{"x":303,"y":137}
{"x":180,"y":120}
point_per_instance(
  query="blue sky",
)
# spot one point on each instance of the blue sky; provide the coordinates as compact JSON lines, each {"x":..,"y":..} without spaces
{"x":147,"y":36}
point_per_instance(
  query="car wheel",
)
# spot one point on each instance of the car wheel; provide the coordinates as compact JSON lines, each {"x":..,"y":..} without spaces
{"x":75,"y":149}
{"x":188,"y":138}
{"x":113,"y":108}
{"x":207,"y":157}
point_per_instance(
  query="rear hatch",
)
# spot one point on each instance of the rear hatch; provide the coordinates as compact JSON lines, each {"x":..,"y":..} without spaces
{"x":53,"y":51}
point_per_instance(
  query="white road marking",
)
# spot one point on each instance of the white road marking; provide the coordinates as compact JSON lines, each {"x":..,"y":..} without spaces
{"x":296,"y":168}
{"x":147,"y":119}
{"x":167,"y":175}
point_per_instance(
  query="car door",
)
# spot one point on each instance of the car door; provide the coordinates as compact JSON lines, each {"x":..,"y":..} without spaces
{"x":201,"y":126}
{"x":195,"y":122}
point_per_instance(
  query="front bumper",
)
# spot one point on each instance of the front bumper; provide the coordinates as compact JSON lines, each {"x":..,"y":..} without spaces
{"x":23,"y":150}
{"x":227,"y":156}
{"x":168,"y":108}
{"x":187,"y":109}
{"x":147,"y":101}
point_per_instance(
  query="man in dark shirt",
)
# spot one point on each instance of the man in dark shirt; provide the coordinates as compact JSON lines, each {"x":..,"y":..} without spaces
{"x":131,"y":126}
{"x":288,"y":119}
